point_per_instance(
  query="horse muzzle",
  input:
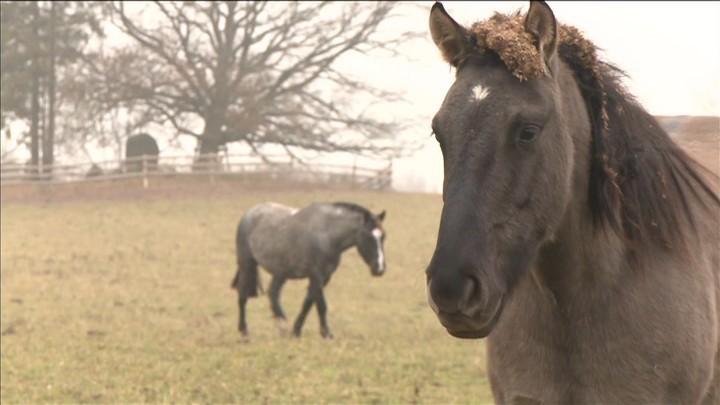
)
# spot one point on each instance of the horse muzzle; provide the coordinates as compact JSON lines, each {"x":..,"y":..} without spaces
{"x":378,"y":271}
{"x":467,"y":315}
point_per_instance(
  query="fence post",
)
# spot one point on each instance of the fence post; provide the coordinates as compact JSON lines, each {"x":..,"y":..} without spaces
{"x":144,"y":171}
{"x":352,"y":178}
{"x":387,"y":181}
{"x":212,"y":167}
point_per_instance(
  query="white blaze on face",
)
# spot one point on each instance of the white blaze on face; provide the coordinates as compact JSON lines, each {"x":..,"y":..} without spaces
{"x":377,"y":233}
{"x":479,"y":93}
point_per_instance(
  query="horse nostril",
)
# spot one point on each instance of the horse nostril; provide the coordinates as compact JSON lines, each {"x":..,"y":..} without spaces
{"x":451,"y":293}
{"x":471,"y":296}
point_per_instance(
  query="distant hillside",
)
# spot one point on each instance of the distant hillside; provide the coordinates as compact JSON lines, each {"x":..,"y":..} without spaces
{"x":699,"y":135}
{"x":692,"y":128}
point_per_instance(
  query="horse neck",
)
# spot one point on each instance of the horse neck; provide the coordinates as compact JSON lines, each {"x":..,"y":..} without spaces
{"x":343,"y":230}
{"x":578,"y":253}
{"x":580,"y":257}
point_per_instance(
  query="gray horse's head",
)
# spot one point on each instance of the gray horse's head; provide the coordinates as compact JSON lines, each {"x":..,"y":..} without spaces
{"x":370,"y":241}
{"x":508,"y":160}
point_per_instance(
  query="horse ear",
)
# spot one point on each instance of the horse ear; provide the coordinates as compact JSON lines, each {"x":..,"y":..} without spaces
{"x":449,"y":36}
{"x":381,"y":216}
{"x":540,"y":22}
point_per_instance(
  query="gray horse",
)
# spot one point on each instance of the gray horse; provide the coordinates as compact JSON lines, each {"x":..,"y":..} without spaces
{"x":307,"y":243}
{"x":575,"y":234}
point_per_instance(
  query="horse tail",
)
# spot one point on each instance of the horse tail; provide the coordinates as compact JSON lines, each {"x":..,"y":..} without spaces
{"x":246,"y":279}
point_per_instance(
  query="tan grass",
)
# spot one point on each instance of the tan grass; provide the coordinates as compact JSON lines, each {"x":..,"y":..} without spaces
{"x":127,"y":301}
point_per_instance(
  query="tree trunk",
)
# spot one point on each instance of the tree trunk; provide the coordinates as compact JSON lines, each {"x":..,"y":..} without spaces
{"x":208,"y":146}
{"x":49,"y":138}
{"x":35,"y":107}
{"x":207,"y":157}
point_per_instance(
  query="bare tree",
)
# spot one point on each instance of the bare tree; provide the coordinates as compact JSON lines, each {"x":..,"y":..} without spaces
{"x":94,"y":112}
{"x":257,"y":72}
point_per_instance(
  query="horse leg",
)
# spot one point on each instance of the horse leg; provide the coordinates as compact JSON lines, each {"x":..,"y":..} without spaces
{"x":322,"y":314}
{"x":242,"y":325}
{"x":246,"y":280}
{"x":274,"y":293}
{"x":307,"y":304}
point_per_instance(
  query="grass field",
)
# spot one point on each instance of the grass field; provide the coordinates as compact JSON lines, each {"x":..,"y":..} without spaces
{"x":129,"y":301}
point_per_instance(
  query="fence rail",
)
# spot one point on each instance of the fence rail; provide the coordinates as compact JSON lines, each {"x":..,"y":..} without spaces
{"x":270,"y":168}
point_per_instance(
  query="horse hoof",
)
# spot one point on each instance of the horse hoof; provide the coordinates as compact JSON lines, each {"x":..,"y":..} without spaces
{"x":296,"y":333}
{"x":326,"y":335}
{"x":282,"y":326}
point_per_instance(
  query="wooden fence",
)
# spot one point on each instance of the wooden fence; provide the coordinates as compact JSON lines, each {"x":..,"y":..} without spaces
{"x":272,"y":168}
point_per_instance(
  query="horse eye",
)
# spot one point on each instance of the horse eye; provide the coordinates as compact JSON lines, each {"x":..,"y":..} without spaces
{"x":528,"y":134}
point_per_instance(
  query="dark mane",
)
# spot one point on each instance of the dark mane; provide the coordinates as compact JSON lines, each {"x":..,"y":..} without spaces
{"x":642,"y":184}
{"x":367,"y":215}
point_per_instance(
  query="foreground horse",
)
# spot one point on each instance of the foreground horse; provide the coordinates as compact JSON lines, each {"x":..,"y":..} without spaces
{"x":575,"y":234}
{"x":306,"y":243}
